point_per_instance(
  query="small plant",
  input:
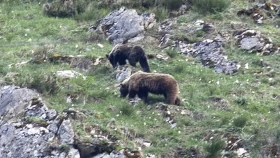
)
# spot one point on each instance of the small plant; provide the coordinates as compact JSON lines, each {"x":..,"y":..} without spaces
{"x":210,"y":6}
{"x":215,"y":147}
{"x":59,"y":8}
{"x":36,"y":120}
{"x":127,"y":110}
{"x":240,"y":121}
{"x":94,"y":36}
{"x":64,"y":148}
{"x":161,"y":13}
{"x":171,"y":53}
{"x":179,"y":69}
{"x":92,"y":12}
{"x":42,"y":82}
{"x":241,"y":101}
{"x":65,"y":8}
{"x":172,"y":4}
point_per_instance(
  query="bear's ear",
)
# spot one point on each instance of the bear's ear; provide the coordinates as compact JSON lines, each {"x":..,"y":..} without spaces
{"x":107,"y":56}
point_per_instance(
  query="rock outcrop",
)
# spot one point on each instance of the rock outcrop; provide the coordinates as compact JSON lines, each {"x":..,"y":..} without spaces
{"x":29,"y":129}
{"x":211,"y":54}
{"x":125,"y":24}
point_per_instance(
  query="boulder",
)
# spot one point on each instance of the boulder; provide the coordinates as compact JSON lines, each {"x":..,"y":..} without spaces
{"x":211,"y":54}
{"x":29,"y":129}
{"x":122,"y":73}
{"x":13,"y":100}
{"x":254,"y":41}
{"x":125,"y":24}
{"x":66,"y":132}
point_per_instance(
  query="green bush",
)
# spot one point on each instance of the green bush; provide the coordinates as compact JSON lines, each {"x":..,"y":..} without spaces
{"x":59,"y":9}
{"x":171,"y":53}
{"x":65,"y":8}
{"x":172,"y":4}
{"x":240,"y":121}
{"x":40,"y":81}
{"x":210,"y":6}
{"x":127,"y":110}
{"x":169,"y":4}
{"x":215,"y":147}
{"x":93,"y":12}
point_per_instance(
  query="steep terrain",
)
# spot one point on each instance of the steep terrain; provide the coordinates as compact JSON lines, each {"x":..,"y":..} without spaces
{"x":226,"y":64}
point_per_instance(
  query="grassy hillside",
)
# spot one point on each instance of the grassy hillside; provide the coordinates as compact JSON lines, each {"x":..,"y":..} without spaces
{"x":217,"y":108}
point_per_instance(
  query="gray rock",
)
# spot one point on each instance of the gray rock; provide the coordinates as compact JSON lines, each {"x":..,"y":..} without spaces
{"x":13,"y":100}
{"x":52,"y":127}
{"x":113,"y":154}
{"x":95,"y":146}
{"x":249,"y":43}
{"x":66,"y":132}
{"x":36,"y":109}
{"x":51,"y":114}
{"x":28,"y":137}
{"x":22,"y":142}
{"x":254,"y":41}
{"x":124,"y":24}
{"x":211,"y":54}
{"x":122,"y":73}
{"x":73,"y":153}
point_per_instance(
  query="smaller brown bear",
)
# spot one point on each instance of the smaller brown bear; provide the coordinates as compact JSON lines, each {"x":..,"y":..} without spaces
{"x":121,"y":52}
{"x":142,"y":83}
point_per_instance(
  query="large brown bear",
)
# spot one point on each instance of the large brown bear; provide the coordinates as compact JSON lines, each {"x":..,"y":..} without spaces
{"x":142,"y":83}
{"x":121,"y":52}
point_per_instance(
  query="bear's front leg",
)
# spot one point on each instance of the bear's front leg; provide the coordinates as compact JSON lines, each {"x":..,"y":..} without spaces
{"x":143,"y":95}
{"x":132,"y":62}
{"x":122,"y":62}
{"x":132,"y":94}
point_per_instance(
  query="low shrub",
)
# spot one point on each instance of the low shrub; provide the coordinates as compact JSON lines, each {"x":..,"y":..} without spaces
{"x":65,"y":8}
{"x":215,"y":147}
{"x":240,"y":121}
{"x":210,"y":6}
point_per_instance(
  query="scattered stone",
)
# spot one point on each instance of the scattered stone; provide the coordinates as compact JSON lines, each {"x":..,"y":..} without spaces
{"x":67,"y":74}
{"x":18,"y":65}
{"x":134,"y":101}
{"x":51,"y":114}
{"x":66,"y":132}
{"x":162,"y":57}
{"x":122,"y":73}
{"x":253,"y":41}
{"x":261,"y":11}
{"x":167,"y":26}
{"x":238,"y":25}
{"x":93,"y":146}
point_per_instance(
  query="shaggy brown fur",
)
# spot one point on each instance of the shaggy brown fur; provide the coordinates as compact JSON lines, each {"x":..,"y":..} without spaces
{"x":142,"y":83}
{"x":121,"y":52}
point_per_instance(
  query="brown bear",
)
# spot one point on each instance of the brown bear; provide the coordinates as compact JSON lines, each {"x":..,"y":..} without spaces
{"x":121,"y":52}
{"x":142,"y":83}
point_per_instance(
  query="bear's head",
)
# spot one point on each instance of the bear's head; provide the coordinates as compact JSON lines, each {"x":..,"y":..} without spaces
{"x":123,"y":90}
{"x":111,"y":58}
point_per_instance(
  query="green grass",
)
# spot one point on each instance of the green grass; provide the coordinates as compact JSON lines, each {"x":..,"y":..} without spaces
{"x":245,"y":103}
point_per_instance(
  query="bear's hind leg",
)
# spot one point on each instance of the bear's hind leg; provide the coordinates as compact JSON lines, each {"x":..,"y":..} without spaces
{"x":171,"y":99}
